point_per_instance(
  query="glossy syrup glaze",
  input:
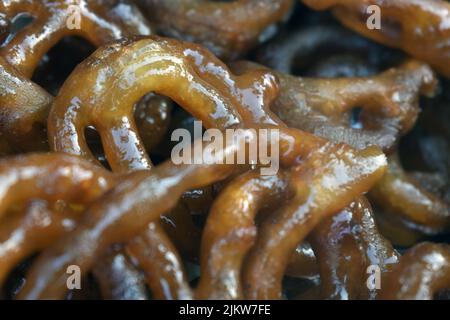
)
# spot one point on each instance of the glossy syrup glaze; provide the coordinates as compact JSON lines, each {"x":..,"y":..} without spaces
{"x":362,"y":134}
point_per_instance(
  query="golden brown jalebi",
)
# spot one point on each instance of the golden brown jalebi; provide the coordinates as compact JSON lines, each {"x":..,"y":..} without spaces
{"x":230,"y":232}
{"x":319,"y":192}
{"x":227,"y":29}
{"x":423,"y":271}
{"x":419,"y":27}
{"x":60,"y":181}
{"x":400,"y":193}
{"x":393,"y":195}
{"x":24,"y":109}
{"x":389,"y":104}
{"x":107,"y":21}
{"x":118,"y":278}
{"x":324,"y":50}
{"x":100,"y":22}
{"x":358,"y":136}
{"x":346,"y":245}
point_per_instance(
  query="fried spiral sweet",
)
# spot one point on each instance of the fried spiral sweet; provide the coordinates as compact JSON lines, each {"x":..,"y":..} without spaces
{"x":298,"y":50}
{"x":146,"y":50}
{"x":161,"y":263}
{"x":147,"y":46}
{"x":99,"y":22}
{"x":146,"y":227}
{"x":400,"y":193}
{"x":292,"y":106}
{"x":66,"y":178}
{"x":346,"y":245}
{"x":35,"y":229}
{"x":24,"y":109}
{"x":153,"y":116}
{"x":118,"y":278}
{"x":419,"y":27}
{"x":420,"y":184}
{"x":227,"y":29}
{"x":423,"y":271}
{"x":112,"y":114}
{"x":230,"y":232}
{"x":373,"y":164}
{"x":223,"y":100}
{"x":104,"y":225}
{"x":309,"y":103}
{"x":389,"y":103}
{"x":97,"y":230}
{"x":363,"y":120}
{"x":280,"y":234}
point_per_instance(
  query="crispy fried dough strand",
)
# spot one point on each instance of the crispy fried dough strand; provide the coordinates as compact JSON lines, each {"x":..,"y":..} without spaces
{"x":114,"y":199}
{"x":100,"y":21}
{"x":419,"y":27}
{"x":227,"y":29}
{"x":24,"y":105}
{"x":230,"y":232}
{"x":346,"y":245}
{"x":118,"y":278}
{"x":50,"y":178}
{"x":401,"y":194}
{"x":423,"y":271}
{"x":389,"y":103}
{"x":116,"y":218}
{"x":319,"y":192}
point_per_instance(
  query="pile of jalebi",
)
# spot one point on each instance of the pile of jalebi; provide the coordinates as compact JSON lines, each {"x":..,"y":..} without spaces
{"x":92,"y":92}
